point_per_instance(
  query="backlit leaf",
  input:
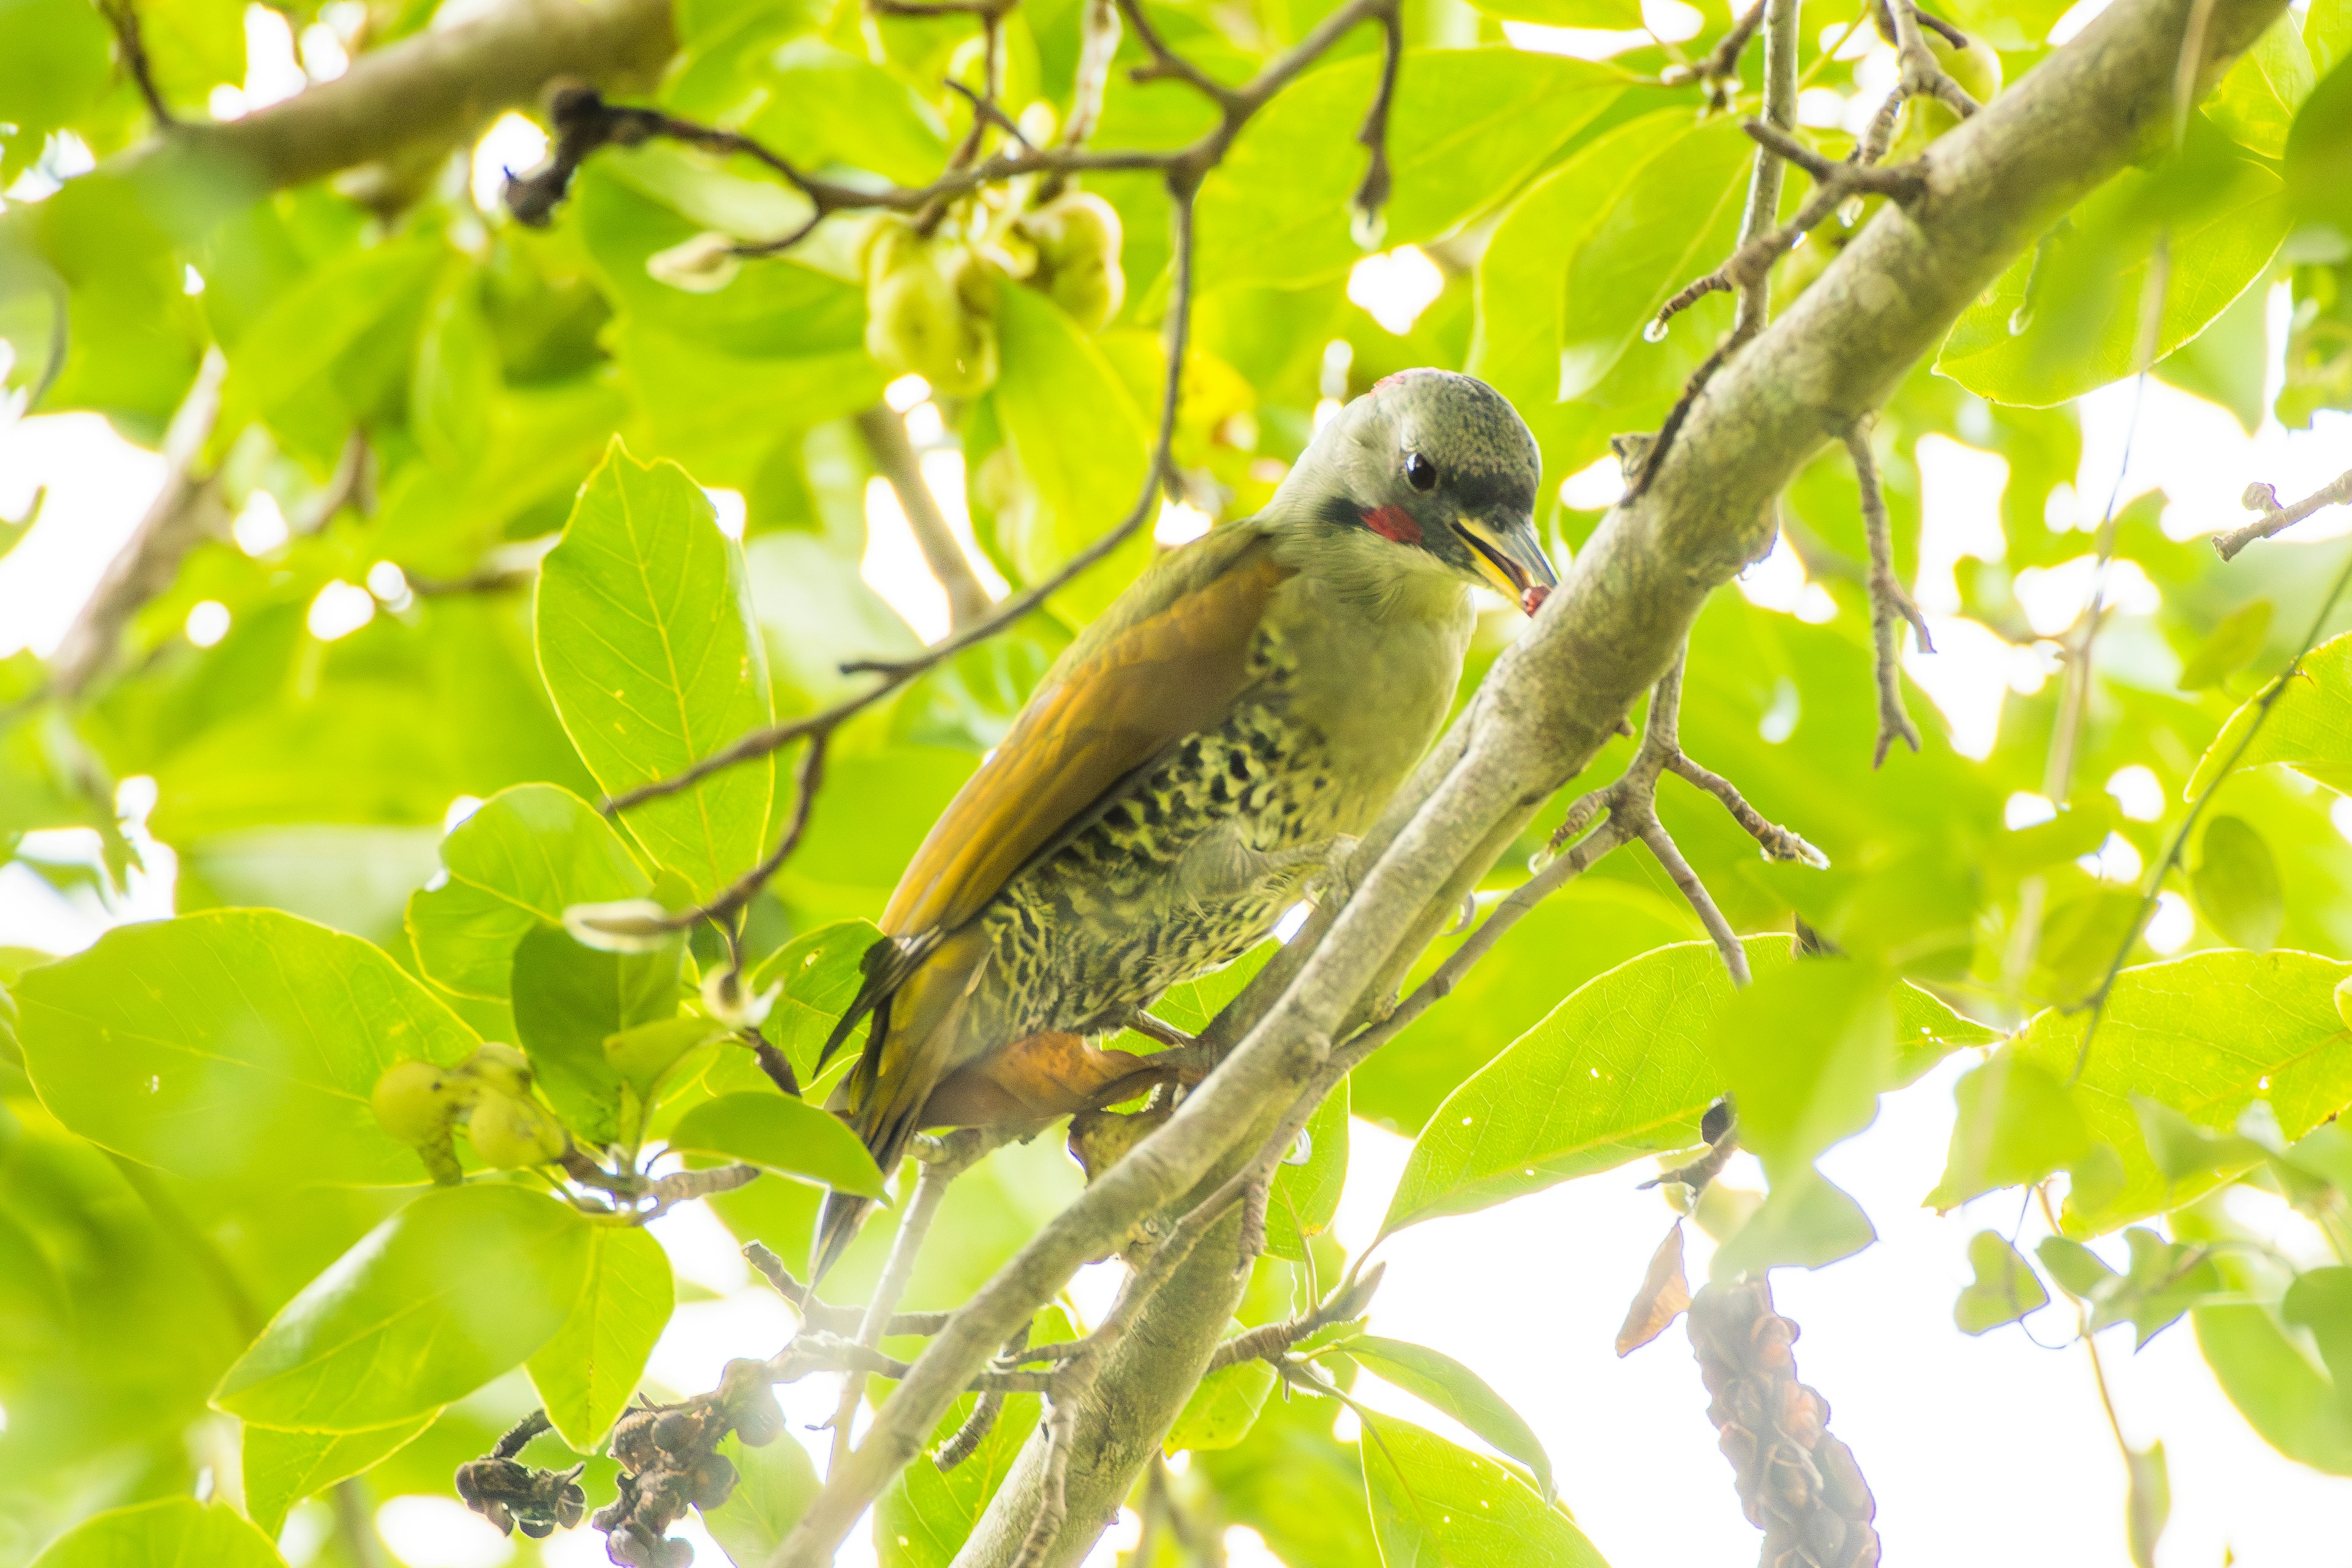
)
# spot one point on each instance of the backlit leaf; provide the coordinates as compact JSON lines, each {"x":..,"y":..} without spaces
{"x":1446,"y":1384}
{"x":782,"y":1134}
{"x":1436,"y":1505}
{"x":179,"y":1533}
{"x":585,"y":1375}
{"x":2005,"y":1287}
{"x":457,"y":1288}
{"x":237,"y":1045}
{"x":2235,"y":884}
{"x":282,"y":1468}
{"x":650,"y":650}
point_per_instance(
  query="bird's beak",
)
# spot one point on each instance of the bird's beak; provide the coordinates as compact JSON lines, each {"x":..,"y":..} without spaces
{"x":1510,"y":557}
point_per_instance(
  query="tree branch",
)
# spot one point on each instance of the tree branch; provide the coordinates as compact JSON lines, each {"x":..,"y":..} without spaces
{"x":1555,"y":698}
{"x":886,"y":437}
{"x":1889,"y":605}
{"x":2277,"y":518}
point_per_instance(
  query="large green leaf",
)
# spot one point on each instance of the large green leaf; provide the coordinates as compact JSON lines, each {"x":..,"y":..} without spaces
{"x":585,"y":1375}
{"x":820,"y":972}
{"x":179,"y":1533}
{"x":773,"y":1487}
{"x":650,"y":650}
{"x":2257,"y":98}
{"x":2271,"y":1376}
{"x":1448,"y":1386}
{"x":568,"y":1000}
{"x":1078,"y":441}
{"x":1467,"y":126}
{"x":782,"y":1134}
{"x":1617,"y":1070}
{"x":517,"y":862}
{"x":2207,"y":1036}
{"x":1591,"y":251}
{"x":1304,"y":1197}
{"x":457,"y":1288}
{"x":2309,"y":727}
{"x":1436,"y":1505}
{"x":282,"y":1468}
{"x":1805,"y":1051}
{"x":238,"y":1046}
{"x":2235,"y":884}
{"x":1222,"y":1409}
{"x":2017,"y":1123}
{"x":2066,"y":318}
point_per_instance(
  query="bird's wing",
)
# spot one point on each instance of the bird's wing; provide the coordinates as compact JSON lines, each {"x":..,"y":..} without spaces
{"x":1168,"y":660}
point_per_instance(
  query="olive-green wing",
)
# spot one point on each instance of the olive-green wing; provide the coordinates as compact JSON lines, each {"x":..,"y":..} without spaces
{"x":1168,"y":660}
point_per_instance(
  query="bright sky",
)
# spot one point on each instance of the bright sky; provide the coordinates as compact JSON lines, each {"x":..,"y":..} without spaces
{"x":1979,"y":1450}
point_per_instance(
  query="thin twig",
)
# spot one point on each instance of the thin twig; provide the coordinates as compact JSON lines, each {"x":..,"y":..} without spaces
{"x":2277,"y":518}
{"x":122,"y":15}
{"x":2096,"y":1002}
{"x":886,"y":437}
{"x":931,"y":1181}
{"x":733,"y":899}
{"x":1889,"y":605}
{"x":1718,"y":73}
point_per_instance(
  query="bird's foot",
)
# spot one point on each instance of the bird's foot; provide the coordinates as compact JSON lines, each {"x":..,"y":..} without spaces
{"x":1338,"y":883}
{"x":1158,"y":1029}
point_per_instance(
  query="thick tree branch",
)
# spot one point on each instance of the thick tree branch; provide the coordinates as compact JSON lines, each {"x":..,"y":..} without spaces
{"x":1552,"y":700}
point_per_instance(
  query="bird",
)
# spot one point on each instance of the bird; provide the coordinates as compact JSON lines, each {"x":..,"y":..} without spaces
{"x":1186,"y":769}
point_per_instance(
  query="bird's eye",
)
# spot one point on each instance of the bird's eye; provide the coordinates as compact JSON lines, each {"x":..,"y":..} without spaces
{"x":1419,"y":471}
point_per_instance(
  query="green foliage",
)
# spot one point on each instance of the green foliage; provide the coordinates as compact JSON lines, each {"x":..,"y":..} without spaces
{"x":575,"y":624}
{"x":782,"y":1134}
{"x":238,"y":1047}
{"x":160,"y":1535}
{"x":457,"y":1288}
{"x":653,"y":659}
{"x":1433,"y":1502}
{"x":587,"y":1371}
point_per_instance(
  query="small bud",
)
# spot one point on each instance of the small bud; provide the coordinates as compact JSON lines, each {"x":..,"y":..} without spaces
{"x":626,"y":925}
{"x":702,"y":265}
{"x":1655,"y":332}
{"x":2259,"y":497}
{"x":1369,"y":227}
{"x":724,"y":997}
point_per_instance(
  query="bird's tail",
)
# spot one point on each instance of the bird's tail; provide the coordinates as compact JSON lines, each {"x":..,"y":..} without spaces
{"x":885,"y":1125}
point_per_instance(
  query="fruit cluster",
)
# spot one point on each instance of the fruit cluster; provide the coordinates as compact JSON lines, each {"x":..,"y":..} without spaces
{"x":669,"y":1460}
{"x":931,"y":300}
{"x":422,"y":1103}
{"x":1797,"y":1483}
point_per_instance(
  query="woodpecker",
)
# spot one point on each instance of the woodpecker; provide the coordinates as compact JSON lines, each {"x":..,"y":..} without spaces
{"x":1183,"y":773}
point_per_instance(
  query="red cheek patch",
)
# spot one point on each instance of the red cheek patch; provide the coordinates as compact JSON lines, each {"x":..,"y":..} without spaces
{"x":1393,"y":522}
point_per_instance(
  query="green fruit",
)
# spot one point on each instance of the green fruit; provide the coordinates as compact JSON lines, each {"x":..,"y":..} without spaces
{"x":1975,"y":68}
{"x":2344,"y":1000}
{"x":413,"y":1101}
{"x":498,"y":1069}
{"x":1078,"y":238}
{"x":510,"y":1133}
{"x":921,"y":320}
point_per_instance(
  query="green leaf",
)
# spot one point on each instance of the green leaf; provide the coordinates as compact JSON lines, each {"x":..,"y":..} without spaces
{"x":2182,"y":1149}
{"x":2148,"y":1503}
{"x":2235,"y":886}
{"x":650,"y":650}
{"x":1804,"y":1220}
{"x":2076,"y":1268}
{"x":170,"y":1534}
{"x":829,"y":106}
{"x":585,"y":1375}
{"x":642,"y":1055}
{"x":819,"y":972}
{"x":2206,"y":1035}
{"x":1805,"y":1051}
{"x":2064,"y":319}
{"x":1584,"y":259}
{"x":454,"y":1290}
{"x":2017,"y":1124}
{"x":522,"y":859}
{"x":2005,"y":1287}
{"x":282,"y":1468}
{"x":2229,"y":647}
{"x":1612,"y":16}
{"x":782,"y":1134}
{"x":1078,"y":439}
{"x":2309,"y":727}
{"x":55,"y":60}
{"x":238,"y":1046}
{"x":2319,"y":154}
{"x":2270,"y":1377}
{"x":773,"y":1487}
{"x":1447,"y":1386}
{"x":1631,"y":1040}
{"x":2320,"y":1300}
{"x":1223,"y":1409}
{"x":2259,"y":95}
{"x":568,"y":999}
{"x":2166,"y":1279}
{"x":1467,"y":126}
{"x":923,"y":1520}
{"x":1303,"y":1198}
{"x":1437,"y":1505}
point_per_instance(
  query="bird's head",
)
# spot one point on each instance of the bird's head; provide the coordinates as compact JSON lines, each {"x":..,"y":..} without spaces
{"x":1437,"y":468}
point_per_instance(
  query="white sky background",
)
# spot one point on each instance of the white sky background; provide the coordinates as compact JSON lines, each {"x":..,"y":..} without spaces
{"x":1989,"y":1450}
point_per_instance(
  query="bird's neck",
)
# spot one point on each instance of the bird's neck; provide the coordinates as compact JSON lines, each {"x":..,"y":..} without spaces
{"x":1372,"y":575}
